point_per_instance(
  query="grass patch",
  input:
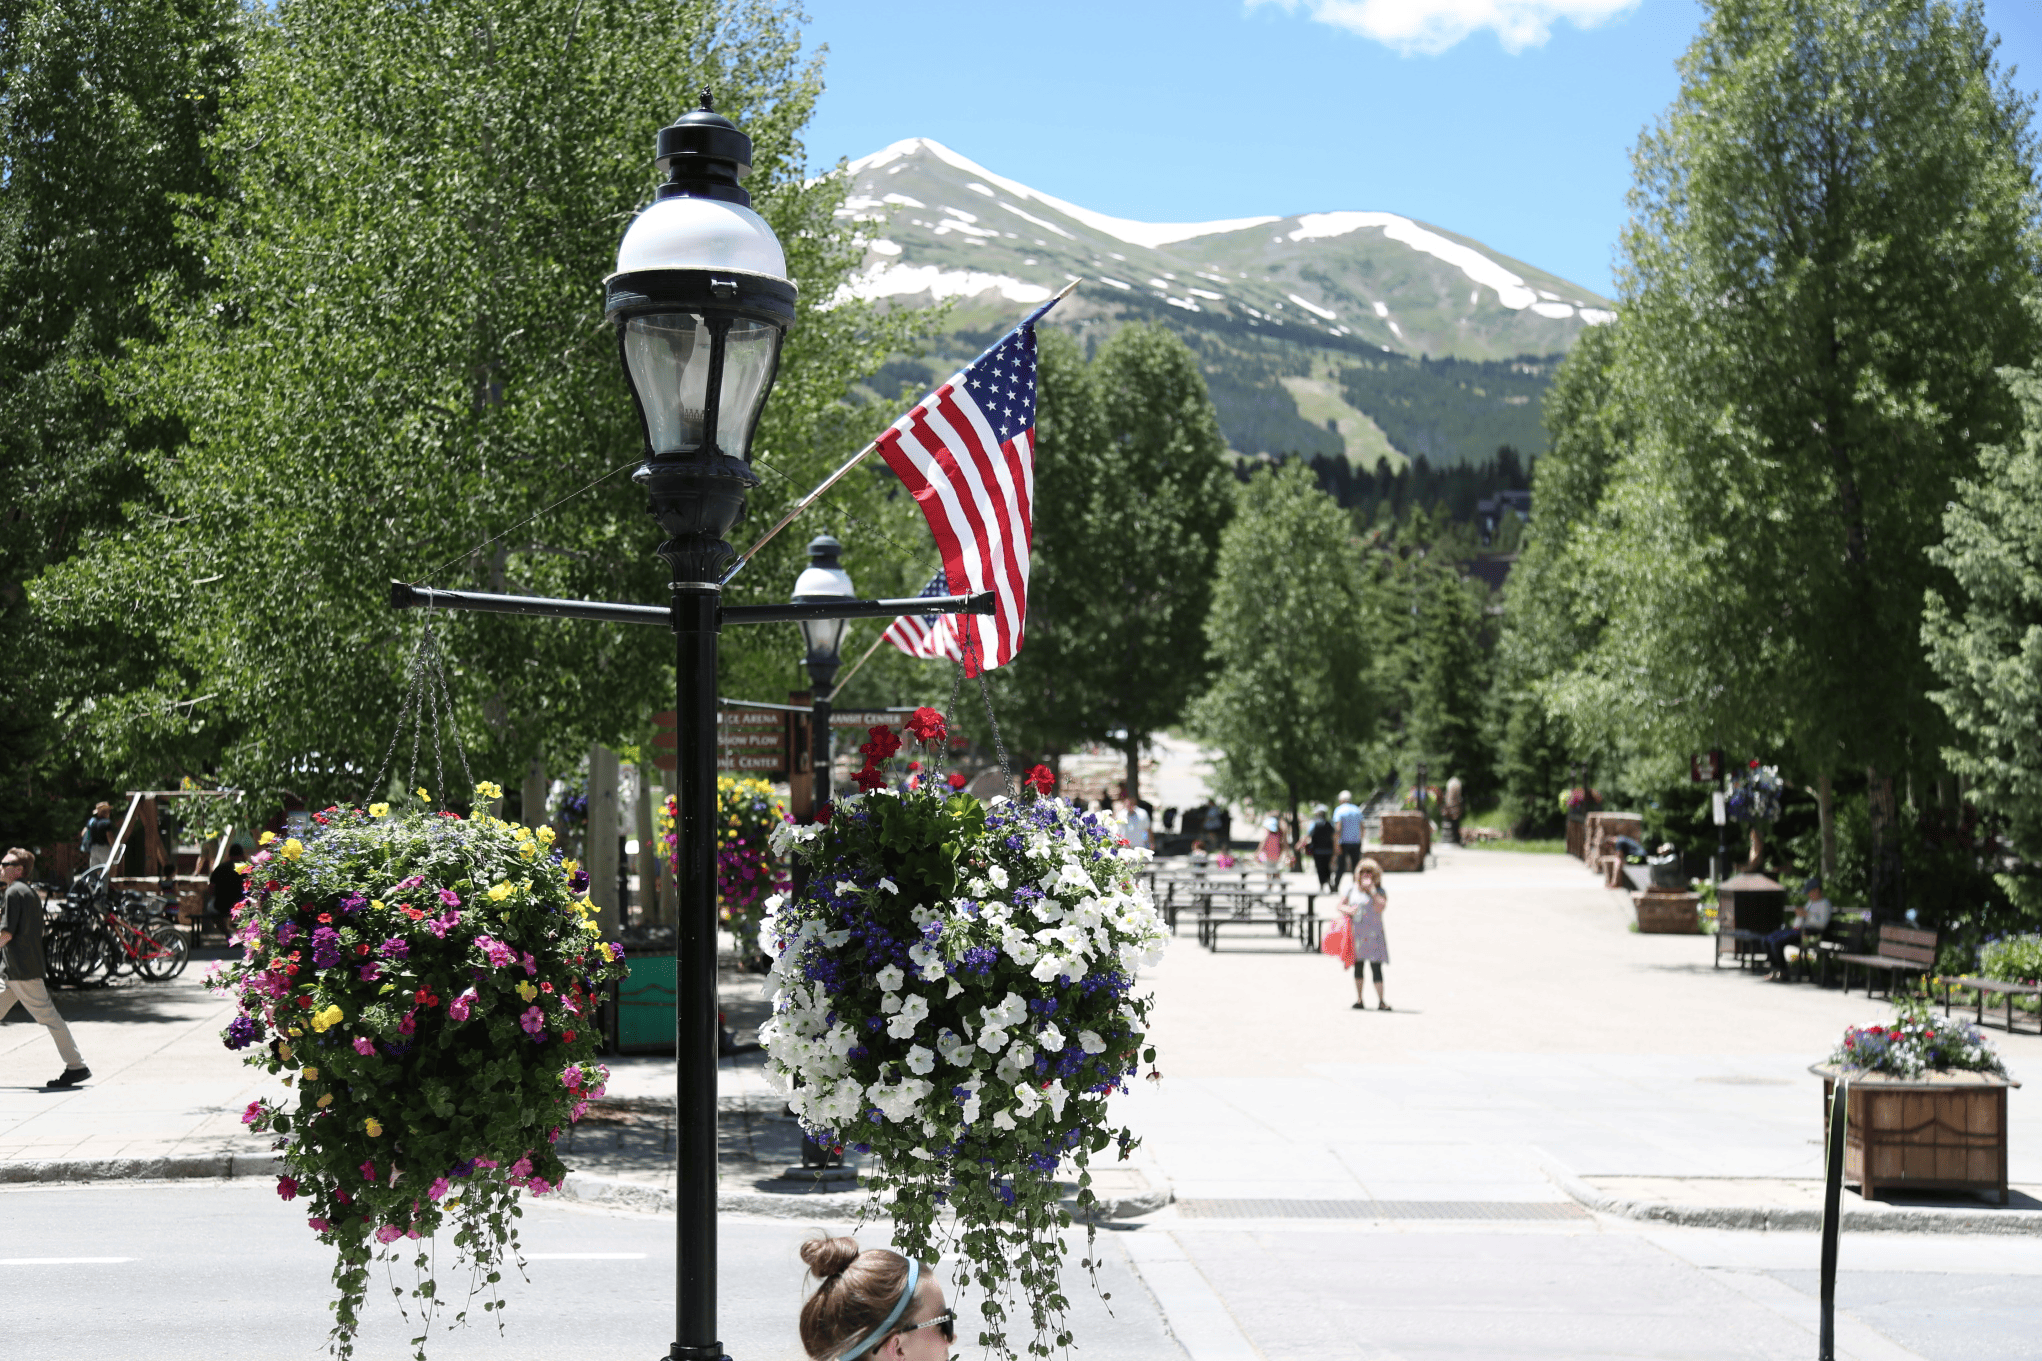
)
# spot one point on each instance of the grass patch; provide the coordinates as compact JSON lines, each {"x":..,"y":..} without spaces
{"x":1554,"y":846}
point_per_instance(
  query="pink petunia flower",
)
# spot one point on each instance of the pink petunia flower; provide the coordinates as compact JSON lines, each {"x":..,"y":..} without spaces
{"x":249,"y":1116}
{"x":450,"y":898}
{"x":540,"y":1186}
{"x":487,"y":1162}
{"x":368,"y":1171}
{"x":287,"y":1188}
{"x":458,"y":1008}
{"x":371,"y":972}
{"x":534,"y":1021}
{"x":437,"y":1189}
{"x":365,"y":1046}
{"x":389,"y":1233}
{"x":409,"y":1025}
{"x":520,"y":1169}
{"x":570,"y":1077}
{"x":320,"y":1224}
{"x":531,"y":965}
{"x":580,"y":1109}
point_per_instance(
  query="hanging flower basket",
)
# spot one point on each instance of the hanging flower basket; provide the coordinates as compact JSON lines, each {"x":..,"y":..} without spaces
{"x":956,"y":999}
{"x":428,"y":985}
{"x":1754,"y":795}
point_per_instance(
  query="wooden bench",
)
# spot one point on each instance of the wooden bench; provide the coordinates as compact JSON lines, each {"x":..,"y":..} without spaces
{"x":1999,"y":987}
{"x":1259,"y":907}
{"x":1902,"y":950}
{"x":1174,"y":888}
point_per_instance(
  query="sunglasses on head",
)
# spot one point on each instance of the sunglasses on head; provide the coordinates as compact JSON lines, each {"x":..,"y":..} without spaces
{"x":945,"y":1321}
{"x":14,"y":864}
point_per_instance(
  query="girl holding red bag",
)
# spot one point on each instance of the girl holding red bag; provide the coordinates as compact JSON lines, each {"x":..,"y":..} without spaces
{"x":1363,"y":905}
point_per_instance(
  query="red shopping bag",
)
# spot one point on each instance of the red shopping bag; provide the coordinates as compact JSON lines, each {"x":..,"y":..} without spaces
{"x":1339,"y":942}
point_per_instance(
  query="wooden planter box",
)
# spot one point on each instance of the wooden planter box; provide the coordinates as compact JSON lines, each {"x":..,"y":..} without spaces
{"x":1398,"y":859}
{"x":1941,"y":1131}
{"x":1407,"y":829}
{"x":1577,"y":836}
{"x":1662,"y":912}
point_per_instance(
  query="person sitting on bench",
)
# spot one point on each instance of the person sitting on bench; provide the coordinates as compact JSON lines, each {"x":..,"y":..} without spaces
{"x":1812,"y":917}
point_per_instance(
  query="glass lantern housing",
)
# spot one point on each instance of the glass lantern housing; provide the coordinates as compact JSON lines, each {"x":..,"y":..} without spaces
{"x":701,"y":302}
{"x":824,"y":579}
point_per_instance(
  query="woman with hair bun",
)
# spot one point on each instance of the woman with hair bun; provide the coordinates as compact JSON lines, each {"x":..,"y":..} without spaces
{"x":875,"y":1304}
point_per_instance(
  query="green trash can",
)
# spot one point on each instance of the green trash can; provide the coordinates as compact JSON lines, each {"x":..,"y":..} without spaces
{"x":644,"y":1003}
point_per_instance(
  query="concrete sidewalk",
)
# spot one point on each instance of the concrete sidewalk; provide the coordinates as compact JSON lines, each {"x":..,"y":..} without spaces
{"x":1537,"y":1045}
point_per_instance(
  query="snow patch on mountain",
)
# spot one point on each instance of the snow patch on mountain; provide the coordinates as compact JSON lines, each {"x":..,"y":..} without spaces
{"x":904,"y":281}
{"x":1313,"y":307}
{"x":1510,"y":289}
{"x":1149,"y":234}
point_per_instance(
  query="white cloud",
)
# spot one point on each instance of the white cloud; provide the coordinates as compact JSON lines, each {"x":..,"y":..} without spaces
{"x":1432,"y":26}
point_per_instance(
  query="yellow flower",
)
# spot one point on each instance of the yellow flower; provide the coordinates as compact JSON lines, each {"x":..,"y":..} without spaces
{"x":488,"y":790}
{"x":499,"y":893}
{"x":527,"y":991}
{"x":312,"y":1073}
{"x":322,"y":1020}
{"x":376,"y":903}
{"x":423,"y":796}
{"x":529,"y":851}
{"x":243,"y":867}
{"x":265,"y":838}
{"x":325,"y":1101}
{"x":374,"y":1127}
{"x":284,"y":1050}
{"x":292,"y":849}
{"x":546,"y":835}
{"x":593,"y":928}
{"x":293,"y":1032}
{"x":568,"y":867}
{"x":379,"y":810}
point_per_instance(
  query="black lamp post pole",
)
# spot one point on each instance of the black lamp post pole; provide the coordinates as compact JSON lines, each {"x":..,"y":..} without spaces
{"x":695,"y":639}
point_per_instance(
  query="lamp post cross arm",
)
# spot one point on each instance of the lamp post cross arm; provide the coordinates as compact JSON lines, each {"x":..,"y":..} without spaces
{"x":404,"y":596}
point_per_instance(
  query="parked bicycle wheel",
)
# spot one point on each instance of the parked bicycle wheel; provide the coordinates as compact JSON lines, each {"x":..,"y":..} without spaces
{"x":89,"y":957}
{"x":166,"y":955}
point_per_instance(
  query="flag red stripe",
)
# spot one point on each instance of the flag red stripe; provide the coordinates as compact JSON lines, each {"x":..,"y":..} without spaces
{"x":987,"y":462}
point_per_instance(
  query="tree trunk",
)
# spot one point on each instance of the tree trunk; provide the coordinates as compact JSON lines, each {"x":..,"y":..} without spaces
{"x":1825,"y":812}
{"x":1295,"y":863}
{"x":1134,"y":767}
{"x":1883,"y":886}
{"x":1757,"y":860}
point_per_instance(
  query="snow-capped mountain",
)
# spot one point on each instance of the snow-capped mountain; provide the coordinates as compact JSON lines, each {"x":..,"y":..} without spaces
{"x":1318,"y":332}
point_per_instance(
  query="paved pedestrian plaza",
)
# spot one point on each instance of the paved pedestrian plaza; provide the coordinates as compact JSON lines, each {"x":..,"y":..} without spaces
{"x":1403,"y":1184}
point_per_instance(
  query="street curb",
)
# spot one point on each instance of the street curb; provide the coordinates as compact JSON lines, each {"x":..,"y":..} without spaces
{"x":1764,"y":1218}
{"x":617,"y":1193}
{"x":213,"y":1166}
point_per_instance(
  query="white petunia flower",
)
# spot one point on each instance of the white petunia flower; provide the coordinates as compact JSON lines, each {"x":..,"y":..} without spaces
{"x":890,"y":978}
{"x":1051,"y":1039}
{"x":1089,"y":1041}
{"x":889,"y":885}
{"x":920,"y":1060}
{"x":998,"y":876}
{"x":992,"y":1040}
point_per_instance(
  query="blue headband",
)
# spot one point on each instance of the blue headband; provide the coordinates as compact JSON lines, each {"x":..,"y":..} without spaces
{"x":899,"y":1307}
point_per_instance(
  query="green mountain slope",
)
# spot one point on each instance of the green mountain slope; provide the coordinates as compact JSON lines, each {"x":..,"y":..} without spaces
{"x":1357,"y":333}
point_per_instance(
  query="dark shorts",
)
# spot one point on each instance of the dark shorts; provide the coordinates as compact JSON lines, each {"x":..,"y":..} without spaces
{"x":1376,"y":965}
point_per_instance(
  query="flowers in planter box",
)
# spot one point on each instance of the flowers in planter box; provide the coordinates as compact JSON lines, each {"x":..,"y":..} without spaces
{"x":1917,"y":1041}
{"x":429,"y":984}
{"x":956,"y":998}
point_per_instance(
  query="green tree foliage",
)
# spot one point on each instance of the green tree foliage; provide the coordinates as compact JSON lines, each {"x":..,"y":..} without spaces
{"x":1550,"y":616}
{"x":1832,"y":232}
{"x":1131,"y":495}
{"x":404,"y":357}
{"x":1446,"y":729}
{"x":1985,"y":637}
{"x":1452,"y":410}
{"x":1294,"y":705}
{"x":104,"y":109}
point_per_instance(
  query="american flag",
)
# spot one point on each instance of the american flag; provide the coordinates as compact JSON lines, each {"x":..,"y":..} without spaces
{"x":926,"y":635}
{"x":967,"y":454}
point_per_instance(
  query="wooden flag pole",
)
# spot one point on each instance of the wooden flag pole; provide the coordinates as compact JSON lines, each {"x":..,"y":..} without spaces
{"x":805,"y":502}
{"x":845,"y":680}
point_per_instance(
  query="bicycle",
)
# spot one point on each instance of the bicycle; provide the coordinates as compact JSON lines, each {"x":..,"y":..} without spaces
{"x":97,"y":932}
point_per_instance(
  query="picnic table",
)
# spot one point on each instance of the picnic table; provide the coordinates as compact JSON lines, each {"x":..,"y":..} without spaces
{"x":1250,"y":896}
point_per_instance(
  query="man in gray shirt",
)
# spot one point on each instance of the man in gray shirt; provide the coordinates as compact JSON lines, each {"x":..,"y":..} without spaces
{"x":21,"y":948}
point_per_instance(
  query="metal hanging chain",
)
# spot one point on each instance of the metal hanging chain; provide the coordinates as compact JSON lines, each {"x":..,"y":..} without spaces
{"x":949,"y":716}
{"x":426,"y":696}
{"x":986,"y":693}
{"x":405,"y":707}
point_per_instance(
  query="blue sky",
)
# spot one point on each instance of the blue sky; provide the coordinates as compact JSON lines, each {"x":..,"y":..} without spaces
{"x":1187,"y":110}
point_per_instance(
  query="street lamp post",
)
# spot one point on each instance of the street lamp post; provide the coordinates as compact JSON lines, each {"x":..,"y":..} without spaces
{"x":701,"y":301}
{"x":824,"y":580}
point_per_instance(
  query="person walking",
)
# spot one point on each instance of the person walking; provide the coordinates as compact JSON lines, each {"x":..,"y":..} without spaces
{"x":96,"y":841}
{"x":1318,"y":843}
{"x":1269,"y":854}
{"x":1137,"y":823}
{"x":1347,"y":821}
{"x":21,"y":947}
{"x":1363,"y":906}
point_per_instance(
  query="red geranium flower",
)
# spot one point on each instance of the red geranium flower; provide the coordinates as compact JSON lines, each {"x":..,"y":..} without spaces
{"x":927,"y":725}
{"x":957,"y":779}
{"x":869,"y":779}
{"x":1041,"y":781}
{"x":885,"y":742}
